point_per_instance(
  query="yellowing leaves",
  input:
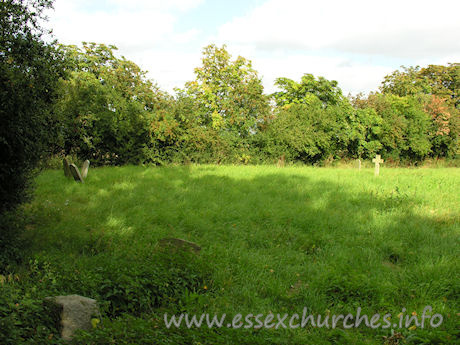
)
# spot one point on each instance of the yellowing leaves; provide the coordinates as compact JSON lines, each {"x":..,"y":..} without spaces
{"x":95,"y":322}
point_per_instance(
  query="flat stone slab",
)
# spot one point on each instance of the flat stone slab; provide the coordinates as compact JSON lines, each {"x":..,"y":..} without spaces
{"x":76,"y":173}
{"x":178,"y":243}
{"x":75,"y":313}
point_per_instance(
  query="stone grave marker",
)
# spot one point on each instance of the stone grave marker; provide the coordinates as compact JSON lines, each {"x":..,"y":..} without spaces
{"x":74,"y":312}
{"x":359,"y":164}
{"x":66,"y":166}
{"x":76,"y":173}
{"x":377,"y":160}
{"x":177,"y":243}
{"x":84,"y":169}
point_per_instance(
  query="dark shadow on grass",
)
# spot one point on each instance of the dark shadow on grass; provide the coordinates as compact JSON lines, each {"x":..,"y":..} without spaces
{"x":357,"y":248}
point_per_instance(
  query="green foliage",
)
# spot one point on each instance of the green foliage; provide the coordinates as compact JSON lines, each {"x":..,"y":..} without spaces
{"x":110,"y":111}
{"x":406,"y":82}
{"x":441,"y":81}
{"x":229,"y":94}
{"x":366,"y":128}
{"x":124,"y":284}
{"x":11,"y":243}
{"x":213,"y":119}
{"x":307,"y":132}
{"x":24,"y":319}
{"x":405,"y":129}
{"x":411,"y":127}
{"x":29,"y":72}
{"x":111,"y":114}
{"x":307,"y":91}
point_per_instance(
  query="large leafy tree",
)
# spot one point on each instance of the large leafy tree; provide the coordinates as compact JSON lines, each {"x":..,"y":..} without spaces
{"x":311,"y":122}
{"x":111,"y":111}
{"x":438,"y":80}
{"x":404,"y":132}
{"x":438,"y":88}
{"x":309,"y":89}
{"x":307,"y":132}
{"x":29,"y":72}
{"x":229,"y":94}
{"x":445,"y":126}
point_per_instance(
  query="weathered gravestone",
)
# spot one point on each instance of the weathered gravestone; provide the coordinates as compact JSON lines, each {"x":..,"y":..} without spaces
{"x":84,"y":169}
{"x":377,"y":160}
{"x":66,"y":166}
{"x":179,"y":244}
{"x":76,"y":173}
{"x":359,"y":164}
{"x":75,"y":312}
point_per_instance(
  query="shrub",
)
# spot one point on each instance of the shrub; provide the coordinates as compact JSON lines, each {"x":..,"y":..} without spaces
{"x":29,"y":73}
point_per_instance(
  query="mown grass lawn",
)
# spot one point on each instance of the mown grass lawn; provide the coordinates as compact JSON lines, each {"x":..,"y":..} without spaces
{"x":273,"y":240}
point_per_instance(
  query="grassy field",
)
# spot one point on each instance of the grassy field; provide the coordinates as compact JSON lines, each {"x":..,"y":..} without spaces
{"x":274,"y":240}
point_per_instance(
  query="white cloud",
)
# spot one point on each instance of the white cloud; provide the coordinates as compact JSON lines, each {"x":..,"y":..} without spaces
{"x":181,"y":5}
{"x":143,"y":30}
{"x":133,"y":25}
{"x":356,"y":42}
{"x":169,"y":68}
{"x":392,"y":28}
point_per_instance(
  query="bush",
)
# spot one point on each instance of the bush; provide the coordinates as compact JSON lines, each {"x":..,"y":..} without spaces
{"x":308,"y":133}
{"x":109,"y":109}
{"x":29,"y":72}
{"x":24,"y":319}
{"x":10,"y":243}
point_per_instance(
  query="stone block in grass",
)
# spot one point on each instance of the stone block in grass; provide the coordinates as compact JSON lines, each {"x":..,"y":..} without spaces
{"x":75,"y":312}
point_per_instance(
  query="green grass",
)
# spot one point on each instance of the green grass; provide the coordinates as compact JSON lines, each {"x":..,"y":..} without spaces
{"x":273,"y":240}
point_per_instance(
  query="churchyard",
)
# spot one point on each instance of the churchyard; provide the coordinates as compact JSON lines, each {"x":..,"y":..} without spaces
{"x":192,"y":201}
{"x":271,"y":240}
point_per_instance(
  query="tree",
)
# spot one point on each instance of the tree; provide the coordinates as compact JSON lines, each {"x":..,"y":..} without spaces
{"x":437,"y":88}
{"x":308,"y":133}
{"x":307,"y":90}
{"x":112,"y":112}
{"x":404,"y":130}
{"x":444,"y":81}
{"x":29,"y":74}
{"x":438,"y":80}
{"x":366,"y":129}
{"x":229,"y":94}
{"x":406,"y":82}
{"x":445,"y":126}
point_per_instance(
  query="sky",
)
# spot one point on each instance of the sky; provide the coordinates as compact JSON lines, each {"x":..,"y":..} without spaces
{"x":356,"y":42}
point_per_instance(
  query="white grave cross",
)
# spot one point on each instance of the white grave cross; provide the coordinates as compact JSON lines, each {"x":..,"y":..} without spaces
{"x":377,"y":160}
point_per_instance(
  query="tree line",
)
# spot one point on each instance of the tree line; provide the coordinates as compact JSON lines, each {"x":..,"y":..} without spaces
{"x":112,"y":114}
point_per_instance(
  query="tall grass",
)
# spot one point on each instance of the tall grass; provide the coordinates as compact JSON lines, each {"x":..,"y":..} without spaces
{"x":273,"y":240}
